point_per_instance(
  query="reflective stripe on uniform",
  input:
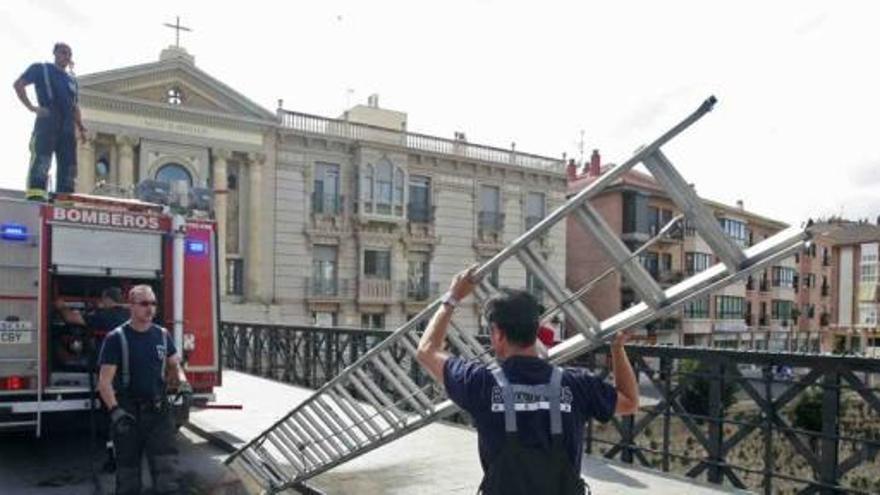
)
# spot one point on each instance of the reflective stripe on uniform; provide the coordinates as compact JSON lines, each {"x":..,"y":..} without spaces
{"x":48,"y":85}
{"x":126,"y":367}
{"x":552,"y":391}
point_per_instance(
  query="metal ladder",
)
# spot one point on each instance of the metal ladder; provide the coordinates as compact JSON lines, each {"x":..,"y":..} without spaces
{"x":382,"y":397}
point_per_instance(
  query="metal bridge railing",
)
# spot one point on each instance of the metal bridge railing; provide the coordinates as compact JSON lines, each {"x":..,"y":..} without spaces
{"x":763,"y":421}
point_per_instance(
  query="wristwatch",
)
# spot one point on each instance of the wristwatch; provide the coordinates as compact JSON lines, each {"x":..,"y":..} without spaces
{"x":448,"y":300}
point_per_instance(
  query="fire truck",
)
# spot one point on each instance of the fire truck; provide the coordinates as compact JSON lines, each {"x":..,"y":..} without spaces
{"x":69,"y":251}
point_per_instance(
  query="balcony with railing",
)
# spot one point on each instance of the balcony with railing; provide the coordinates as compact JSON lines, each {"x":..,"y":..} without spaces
{"x":419,"y":291}
{"x":675,"y":234}
{"x":313,"y":124}
{"x":375,"y":290}
{"x":327,"y":204}
{"x":490,"y":222}
{"x":669,"y":277}
{"x":327,"y":289}
{"x":420,"y":213}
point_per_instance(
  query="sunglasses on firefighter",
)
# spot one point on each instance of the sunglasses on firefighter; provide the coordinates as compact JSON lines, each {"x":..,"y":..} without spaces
{"x":146,"y":304}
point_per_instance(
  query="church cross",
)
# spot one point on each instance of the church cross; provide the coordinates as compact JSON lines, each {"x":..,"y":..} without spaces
{"x":178,"y":28}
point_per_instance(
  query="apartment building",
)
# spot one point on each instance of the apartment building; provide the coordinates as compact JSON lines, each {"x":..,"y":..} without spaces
{"x":851,"y":263}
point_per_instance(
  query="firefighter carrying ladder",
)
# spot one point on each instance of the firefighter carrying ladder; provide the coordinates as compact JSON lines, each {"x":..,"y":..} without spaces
{"x":383,"y":396}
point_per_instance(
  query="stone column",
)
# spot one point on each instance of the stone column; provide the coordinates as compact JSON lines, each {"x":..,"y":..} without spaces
{"x":254,"y":286}
{"x":220,"y":190}
{"x":126,"y":146}
{"x":85,"y":165}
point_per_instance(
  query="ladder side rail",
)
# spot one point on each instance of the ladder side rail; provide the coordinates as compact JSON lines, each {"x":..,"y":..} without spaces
{"x":686,"y":199}
{"x":703,"y":283}
{"x":630,"y":268}
{"x":593,"y":189}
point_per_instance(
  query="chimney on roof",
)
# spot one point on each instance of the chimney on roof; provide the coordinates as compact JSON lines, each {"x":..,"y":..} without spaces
{"x":571,"y":170}
{"x":373,"y":100}
{"x":595,"y":164}
{"x":739,"y":204}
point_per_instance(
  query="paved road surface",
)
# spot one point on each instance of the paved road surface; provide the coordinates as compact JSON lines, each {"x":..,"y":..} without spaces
{"x":61,"y":465}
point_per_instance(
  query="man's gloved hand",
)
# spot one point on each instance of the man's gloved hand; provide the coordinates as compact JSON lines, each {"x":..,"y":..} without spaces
{"x":185,"y":388}
{"x":121,"y":421}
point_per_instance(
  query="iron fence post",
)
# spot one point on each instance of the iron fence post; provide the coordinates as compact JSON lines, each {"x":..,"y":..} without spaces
{"x":628,"y":426}
{"x":666,"y":376}
{"x":716,"y":413}
{"x":767,"y":375}
{"x":830,"y":442}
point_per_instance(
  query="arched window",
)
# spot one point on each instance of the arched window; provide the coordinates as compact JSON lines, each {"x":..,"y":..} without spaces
{"x":174,"y":172}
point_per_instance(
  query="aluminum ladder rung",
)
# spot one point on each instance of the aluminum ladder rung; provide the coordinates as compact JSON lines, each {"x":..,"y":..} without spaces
{"x":630,"y":268}
{"x":297,"y":447}
{"x":407,"y":382}
{"x":480,"y":352}
{"x":289,"y":453}
{"x":458,"y":343}
{"x":259,"y":469}
{"x":407,"y":394}
{"x":272,"y":465}
{"x":686,"y":199}
{"x":580,"y":316}
{"x":379,"y":408}
{"x":340,"y":430}
{"x":383,"y":404}
{"x":244,"y":462}
{"x":337,"y":411}
{"x":322,"y":431}
{"x":366,"y":417}
{"x":303,"y":446}
{"x":357,"y":421}
{"x":318,"y":442}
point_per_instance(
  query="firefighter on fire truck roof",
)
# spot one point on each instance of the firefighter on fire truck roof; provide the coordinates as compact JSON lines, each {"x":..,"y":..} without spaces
{"x":138,"y":363}
{"x":57,"y":118}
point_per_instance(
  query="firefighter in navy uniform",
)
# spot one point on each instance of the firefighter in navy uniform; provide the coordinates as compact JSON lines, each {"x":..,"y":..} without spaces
{"x":139,"y":362}
{"x":58,"y":118}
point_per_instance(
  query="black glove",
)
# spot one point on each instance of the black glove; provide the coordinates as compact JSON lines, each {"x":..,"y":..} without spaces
{"x":121,"y":421}
{"x":185,"y":388}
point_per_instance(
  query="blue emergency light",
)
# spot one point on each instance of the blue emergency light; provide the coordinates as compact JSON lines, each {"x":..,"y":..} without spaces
{"x":13,"y":232}
{"x":196,"y":247}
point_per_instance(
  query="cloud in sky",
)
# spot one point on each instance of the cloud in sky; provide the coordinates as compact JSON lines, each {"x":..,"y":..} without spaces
{"x":866,"y":174}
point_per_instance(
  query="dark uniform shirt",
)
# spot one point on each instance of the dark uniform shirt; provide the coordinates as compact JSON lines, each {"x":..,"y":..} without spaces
{"x":59,"y":95}
{"x":145,"y":353}
{"x":103,"y":320}
{"x":472,"y":387}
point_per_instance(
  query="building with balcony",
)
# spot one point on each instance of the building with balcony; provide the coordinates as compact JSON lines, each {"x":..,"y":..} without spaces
{"x":777,"y":308}
{"x":847,"y":286}
{"x":349,"y":221}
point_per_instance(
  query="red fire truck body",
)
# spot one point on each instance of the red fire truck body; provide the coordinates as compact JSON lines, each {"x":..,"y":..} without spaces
{"x":67,"y":253}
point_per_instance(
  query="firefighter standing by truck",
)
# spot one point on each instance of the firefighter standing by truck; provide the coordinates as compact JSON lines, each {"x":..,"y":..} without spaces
{"x":138,"y":363}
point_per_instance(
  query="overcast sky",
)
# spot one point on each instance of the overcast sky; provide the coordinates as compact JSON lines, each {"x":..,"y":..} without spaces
{"x":794,"y":134}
